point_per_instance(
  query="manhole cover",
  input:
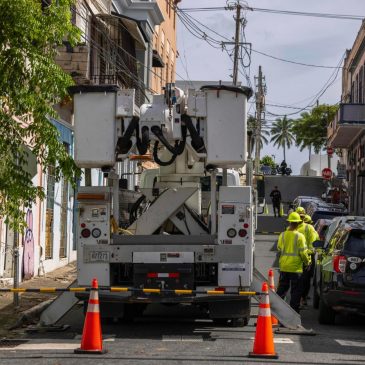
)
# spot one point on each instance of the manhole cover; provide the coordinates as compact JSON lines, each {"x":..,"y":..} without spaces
{"x":11,"y":343}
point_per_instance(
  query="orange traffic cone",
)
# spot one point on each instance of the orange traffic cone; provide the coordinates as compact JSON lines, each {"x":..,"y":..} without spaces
{"x":264,"y":341}
{"x":91,"y":341}
{"x":274,"y":320}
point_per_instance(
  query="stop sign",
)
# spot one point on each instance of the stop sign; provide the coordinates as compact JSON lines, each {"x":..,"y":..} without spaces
{"x":329,"y":151}
{"x":327,"y":173}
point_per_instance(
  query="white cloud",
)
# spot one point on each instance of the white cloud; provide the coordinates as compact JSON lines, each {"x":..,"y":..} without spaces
{"x":303,"y":39}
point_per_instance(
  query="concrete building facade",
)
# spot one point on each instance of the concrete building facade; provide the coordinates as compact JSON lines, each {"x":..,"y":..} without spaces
{"x":346,"y":133}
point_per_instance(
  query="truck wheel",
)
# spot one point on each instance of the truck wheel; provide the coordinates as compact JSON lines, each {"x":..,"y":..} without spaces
{"x":239,"y":322}
{"x":220,"y":321}
{"x":326,"y":314}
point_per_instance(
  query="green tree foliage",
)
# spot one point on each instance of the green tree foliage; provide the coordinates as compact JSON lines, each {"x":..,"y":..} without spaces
{"x":30,"y":84}
{"x":268,"y":161}
{"x":252,"y":128}
{"x":282,"y":134}
{"x":310,"y":129}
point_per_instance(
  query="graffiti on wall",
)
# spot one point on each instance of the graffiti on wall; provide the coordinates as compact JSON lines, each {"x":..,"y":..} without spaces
{"x":28,"y":244}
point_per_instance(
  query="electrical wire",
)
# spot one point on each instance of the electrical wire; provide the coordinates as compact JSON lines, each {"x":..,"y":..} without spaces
{"x":277,"y":11}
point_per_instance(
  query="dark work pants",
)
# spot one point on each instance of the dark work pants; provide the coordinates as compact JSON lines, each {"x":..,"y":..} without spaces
{"x":306,"y":278}
{"x":276,"y":207}
{"x":294,"y":282}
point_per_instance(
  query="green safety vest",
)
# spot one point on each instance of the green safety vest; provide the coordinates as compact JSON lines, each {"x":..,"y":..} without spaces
{"x":309,"y":233}
{"x":293,"y":252}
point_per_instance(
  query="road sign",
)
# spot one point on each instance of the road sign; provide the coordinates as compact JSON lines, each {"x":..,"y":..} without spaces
{"x":327,"y":173}
{"x":330,"y":151}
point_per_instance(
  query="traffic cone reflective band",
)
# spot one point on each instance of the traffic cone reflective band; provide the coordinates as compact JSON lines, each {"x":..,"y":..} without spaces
{"x":266,"y":209}
{"x":274,"y":320}
{"x":91,"y":341}
{"x":281,"y":210}
{"x":264,"y":340}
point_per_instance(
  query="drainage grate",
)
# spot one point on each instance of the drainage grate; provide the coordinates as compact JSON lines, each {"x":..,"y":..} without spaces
{"x":11,"y":343}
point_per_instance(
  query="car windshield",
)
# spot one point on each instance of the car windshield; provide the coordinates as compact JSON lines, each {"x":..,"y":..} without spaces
{"x":356,"y":242}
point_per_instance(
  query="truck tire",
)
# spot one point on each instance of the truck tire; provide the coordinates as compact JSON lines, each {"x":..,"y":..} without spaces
{"x":326,"y":314}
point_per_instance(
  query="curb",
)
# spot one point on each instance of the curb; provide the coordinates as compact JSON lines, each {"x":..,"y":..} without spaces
{"x":30,"y":314}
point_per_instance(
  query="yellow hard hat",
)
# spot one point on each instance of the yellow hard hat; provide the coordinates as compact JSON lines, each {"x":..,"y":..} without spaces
{"x":294,"y":218}
{"x":308,"y":219}
{"x":300,"y":211}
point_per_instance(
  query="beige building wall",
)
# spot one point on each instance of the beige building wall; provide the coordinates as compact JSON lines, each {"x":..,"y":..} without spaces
{"x":164,"y":43}
{"x":353,"y":75}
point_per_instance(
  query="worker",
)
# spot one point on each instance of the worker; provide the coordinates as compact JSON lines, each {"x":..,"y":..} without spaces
{"x":275,"y":196}
{"x":308,"y":220}
{"x":293,"y":256}
{"x":310,"y":235}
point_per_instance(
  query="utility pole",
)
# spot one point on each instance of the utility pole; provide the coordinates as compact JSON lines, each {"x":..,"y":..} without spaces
{"x":237,"y":43}
{"x":260,"y":110}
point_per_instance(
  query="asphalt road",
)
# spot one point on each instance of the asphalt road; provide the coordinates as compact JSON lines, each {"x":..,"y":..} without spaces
{"x":183,"y":335}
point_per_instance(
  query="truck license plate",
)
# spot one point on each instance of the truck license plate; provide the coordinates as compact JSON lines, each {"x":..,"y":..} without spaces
{"x":99,"y":256}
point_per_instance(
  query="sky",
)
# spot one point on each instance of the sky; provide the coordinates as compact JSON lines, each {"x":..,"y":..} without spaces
{"x":311,"y":40}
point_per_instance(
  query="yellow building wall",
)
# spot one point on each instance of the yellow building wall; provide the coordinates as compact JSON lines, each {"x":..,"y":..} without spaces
{"x":164,"y":43}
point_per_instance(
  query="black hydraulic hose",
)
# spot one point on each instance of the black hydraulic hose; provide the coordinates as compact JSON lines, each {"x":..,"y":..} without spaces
{"x":157,"y":159}
{"x":124,"y":143}
{"x":135,"y":206}
{"x":156,"y":130}
{"x":143,"y":143}
{"x":196,"y":141}
{"x":179,"y":147}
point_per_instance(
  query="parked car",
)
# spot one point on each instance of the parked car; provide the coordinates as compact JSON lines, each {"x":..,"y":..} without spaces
{"x":302,"y":201}
{"x":321,"y":227}
{"x":340,"y":276}
{"x":319,"y":209}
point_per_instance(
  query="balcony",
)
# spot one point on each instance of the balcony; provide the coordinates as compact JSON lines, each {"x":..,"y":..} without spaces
{"x":346,"y":126}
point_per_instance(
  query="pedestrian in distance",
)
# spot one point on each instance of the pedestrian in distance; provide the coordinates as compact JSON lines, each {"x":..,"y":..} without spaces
{"x":293,"y":255}
{"x":310,"y":235}
{"x":275,"y":196}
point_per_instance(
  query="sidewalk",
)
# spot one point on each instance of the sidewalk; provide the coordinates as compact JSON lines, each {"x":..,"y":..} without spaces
{"x":60,"y":278}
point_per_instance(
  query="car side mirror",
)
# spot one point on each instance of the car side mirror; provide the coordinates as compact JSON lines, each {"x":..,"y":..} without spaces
{"x":318,"y":244}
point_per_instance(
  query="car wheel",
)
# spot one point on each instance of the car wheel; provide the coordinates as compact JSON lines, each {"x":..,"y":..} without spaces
{"x":326,"y":314}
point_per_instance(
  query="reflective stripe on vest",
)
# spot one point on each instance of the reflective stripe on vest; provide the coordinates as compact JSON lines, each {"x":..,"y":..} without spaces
{"x":295,"y":246}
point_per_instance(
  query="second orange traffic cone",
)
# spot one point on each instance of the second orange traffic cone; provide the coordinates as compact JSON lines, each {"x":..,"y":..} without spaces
{"x":91,"y":341}
{"x":274,"y":320}
{"x":264,"y":340}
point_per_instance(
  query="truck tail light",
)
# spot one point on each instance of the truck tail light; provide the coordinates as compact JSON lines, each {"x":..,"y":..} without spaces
{"x":339,"y":263}
{"x":242,"y":233}
{"x":170,"y":275}
{"x":85,"y":233}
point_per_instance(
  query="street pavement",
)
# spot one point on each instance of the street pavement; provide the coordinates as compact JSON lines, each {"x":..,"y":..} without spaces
{"x":184,"y":335}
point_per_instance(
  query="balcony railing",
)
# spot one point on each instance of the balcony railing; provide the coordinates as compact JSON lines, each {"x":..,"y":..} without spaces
{"x":347,"y":124}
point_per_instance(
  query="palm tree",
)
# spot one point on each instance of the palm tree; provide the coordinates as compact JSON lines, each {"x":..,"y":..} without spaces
{"x":253,"y":128}
{"x":282,"y":134}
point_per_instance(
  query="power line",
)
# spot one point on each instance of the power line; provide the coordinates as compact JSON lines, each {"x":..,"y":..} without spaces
{"x":197,"y":32}
{"x":321,"y":92}
{"x":293,"y":62}
{"x":283,"y":12}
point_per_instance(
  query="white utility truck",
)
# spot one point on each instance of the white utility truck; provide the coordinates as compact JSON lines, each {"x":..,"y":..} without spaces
{"x":171,"y":242}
